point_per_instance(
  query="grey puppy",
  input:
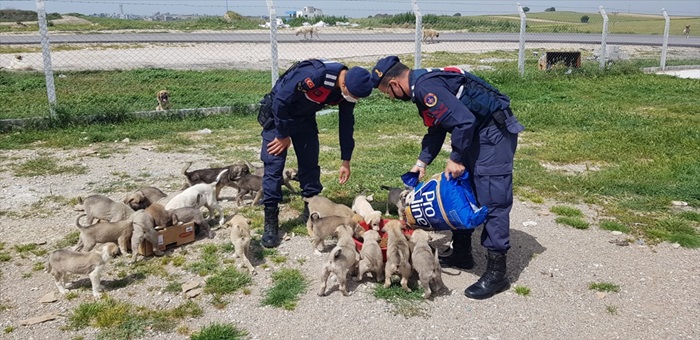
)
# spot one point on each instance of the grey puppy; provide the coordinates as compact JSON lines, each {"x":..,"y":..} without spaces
{"x":209,"y":175}
{"x":371,"y":260}
{"x":188,"y":214}
{"x":396,"y":198}
{"x":398,"y":252}
{"x":342,"y":260}
{"x":288,"y":175}
{"x":65,"y":261}
{"x":325,"y":207}
{"x":103,"y":208}
{"x":143,"y":197}
{"x":248,"y":183}
{"x":425,"y":263}
{"x":144,"y":229}
{"x":322,"y":227}
{"x":103,"y":232}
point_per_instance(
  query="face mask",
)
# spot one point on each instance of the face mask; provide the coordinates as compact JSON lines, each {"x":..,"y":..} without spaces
{"x":404,"y":96}
{"x":349,"y":99}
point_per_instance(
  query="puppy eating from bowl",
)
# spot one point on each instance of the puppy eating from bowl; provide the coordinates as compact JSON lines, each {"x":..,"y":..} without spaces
{"x":398,"y":252}
{"x":425,"y":263}
{"x":371,"y":260}
{"x":323,"y":227}
{"x":341,"y":261}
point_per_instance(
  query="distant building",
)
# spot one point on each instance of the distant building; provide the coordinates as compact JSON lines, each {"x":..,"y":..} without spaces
{"x":308,"y":12}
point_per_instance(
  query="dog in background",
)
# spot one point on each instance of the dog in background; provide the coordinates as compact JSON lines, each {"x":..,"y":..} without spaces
{"x":342,"y":260}
{"x":18,"y":64}
{"x":307,"y":29}
{"x":686,"y":31}
{"x":163,"y":98}
{"x":66,"y":261}
{"x":430,"y":33}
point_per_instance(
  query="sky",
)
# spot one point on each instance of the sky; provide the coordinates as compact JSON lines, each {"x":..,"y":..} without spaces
{"x":355,"y":8}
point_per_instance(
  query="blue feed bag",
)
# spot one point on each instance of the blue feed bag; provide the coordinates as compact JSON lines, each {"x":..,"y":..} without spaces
{"x":442,"y":204}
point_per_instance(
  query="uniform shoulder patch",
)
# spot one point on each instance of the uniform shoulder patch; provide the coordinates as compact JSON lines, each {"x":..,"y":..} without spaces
{"x":309,"y":83}
{"x":430,"y":100}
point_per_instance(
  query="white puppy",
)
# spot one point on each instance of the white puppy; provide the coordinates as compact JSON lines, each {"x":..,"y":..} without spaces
{"x":202,"y":194}
{"x":65,"y":261}
{"x":362,"y":207}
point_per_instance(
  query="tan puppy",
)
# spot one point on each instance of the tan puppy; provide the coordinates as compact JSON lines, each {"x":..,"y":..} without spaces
{"x":325,"y":207}
{"x":240,"y":237}
{"x":65,"y":261}
{"x":163,"y":98}
{"x":104,"y":232}
{"x":430,"y":33}
{"x":322,"y":227}
{"x":398,"y":252}
{"x":362,"y":207}
{"x":144,"y":228}
{"x":143,"y":197}
{"x":371,"y":260}
{"x":425,"y":263}
{"x":342,"y":260}
{"x":161,"y":217}
{"x":686,"y":31}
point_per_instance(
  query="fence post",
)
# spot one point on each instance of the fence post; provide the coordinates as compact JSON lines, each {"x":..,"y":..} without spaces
{"x":521,"y":47}
{"x":664,"y":49}
{"x":46,"y":54}
{"x":273,"y":42}
{"x":419,"y":34}
{"x":603,"y":47}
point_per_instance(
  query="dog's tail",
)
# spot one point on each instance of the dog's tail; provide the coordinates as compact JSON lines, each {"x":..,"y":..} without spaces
{"x":186,"y":167}
{"x":250,"y":166}
{"x":77,"y":221}
{"x":218,"y":178}
{"x":335,"y":253}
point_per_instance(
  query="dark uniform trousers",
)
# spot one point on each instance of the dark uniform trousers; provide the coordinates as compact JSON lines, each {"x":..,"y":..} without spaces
{"x":491,"y":166}
{"x":304,"y":134}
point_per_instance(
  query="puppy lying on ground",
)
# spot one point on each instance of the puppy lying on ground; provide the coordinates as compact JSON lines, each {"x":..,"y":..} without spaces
{"x":430,"y":33}
{"x":322,"y":227}
{"x":103,"y":232}
{"x":66,"y":261}
{"x":341,"y":260}
{"x":398,"y":252}
{"x":240,"y":237}
{"x":425,"y":263}
{"x":144,"y":229}
{"x":198,"y":195}
{"x":362,"y":207}
{"x":163,"y":99}
{"x":18,"y":64}
{"x":209,"y":175}
{"x":188,"y":214}
{"x":371,"y":260}
{"x":143,"y":197}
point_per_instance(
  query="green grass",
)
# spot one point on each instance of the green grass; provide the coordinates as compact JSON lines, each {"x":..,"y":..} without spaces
{"x":403,"y":303}
{"x":208,"y":262}
{"x":287,"y":286}
{"x":226,"y":281}
{"x":218,"y":331}
{"x":566,"y":211}
{"x":42,"y":166}
{"x":612,"y":310}
{"x":604,"y":287}
{"x":573,"y":222}
{"x":522,"y":290}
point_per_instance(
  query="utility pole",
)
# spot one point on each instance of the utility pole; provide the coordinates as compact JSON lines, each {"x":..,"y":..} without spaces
{"x":226,"y":6}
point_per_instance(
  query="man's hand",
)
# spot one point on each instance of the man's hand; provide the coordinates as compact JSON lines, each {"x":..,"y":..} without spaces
{"x":344,"y":172}
{"x":453,"y":169}
{"x":278,"y":146}
{"x":419,"y":170}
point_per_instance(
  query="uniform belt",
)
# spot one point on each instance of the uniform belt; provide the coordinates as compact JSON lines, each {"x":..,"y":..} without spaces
{"x":499,"y":117}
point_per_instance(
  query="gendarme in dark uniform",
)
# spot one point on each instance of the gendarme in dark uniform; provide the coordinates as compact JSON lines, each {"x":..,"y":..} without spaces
{"x":288,"y":115}
{"x":484,"y":135}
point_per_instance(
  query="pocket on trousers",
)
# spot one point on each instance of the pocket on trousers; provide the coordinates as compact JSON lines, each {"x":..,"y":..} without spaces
{"x":513,"y":125}
{"x":265,"y":117}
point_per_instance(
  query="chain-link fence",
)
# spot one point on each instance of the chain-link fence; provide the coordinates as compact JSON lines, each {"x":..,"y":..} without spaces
{"x":97,"y":65}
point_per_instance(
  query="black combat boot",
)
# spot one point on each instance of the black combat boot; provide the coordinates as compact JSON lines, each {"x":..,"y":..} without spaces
{"x":270,"y":238}
{"x":461,"y":256}
{"x":494,"y":279}
{"x":305,"y":214}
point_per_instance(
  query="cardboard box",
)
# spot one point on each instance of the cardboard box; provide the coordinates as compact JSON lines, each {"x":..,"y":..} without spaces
{"x":170,"y":237}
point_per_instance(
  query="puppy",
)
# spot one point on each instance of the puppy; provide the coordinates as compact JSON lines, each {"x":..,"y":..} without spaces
{"x":103,"y":208}
{"x":209,"y":175}
{"x":103,"y":232}
{"x":64,"y":261}
{"x":18,"y":64}
{"x":398,"y":252}
{"x":188,"y":214}
{"x":163,"y":98}
{"x":198,"y":195}
{"x":396,"y":198}
{"x":325,"y":207}
{"x":144,"y":229}
{"x":248,"y":183}
{"x":161,"y":217}
{"x":371,"y":260}
{"x":342,"y":260}
{"x":430,"y":33}
{"x":322,"y":227}
{"x":287,"y":176}
{"x":686,"y":31}
{"x":240,"y":237}
{"x":362,"y":207}
{"x":143,"y":197}
{"x":113,"y":248}
{"x":425,"y":263}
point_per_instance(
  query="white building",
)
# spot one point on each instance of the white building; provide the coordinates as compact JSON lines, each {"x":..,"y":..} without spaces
{"x":309,"y":12}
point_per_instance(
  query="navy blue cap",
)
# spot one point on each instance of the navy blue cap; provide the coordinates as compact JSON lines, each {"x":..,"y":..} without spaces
{"x":358,"y":82}
{"x":383,"y":65}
